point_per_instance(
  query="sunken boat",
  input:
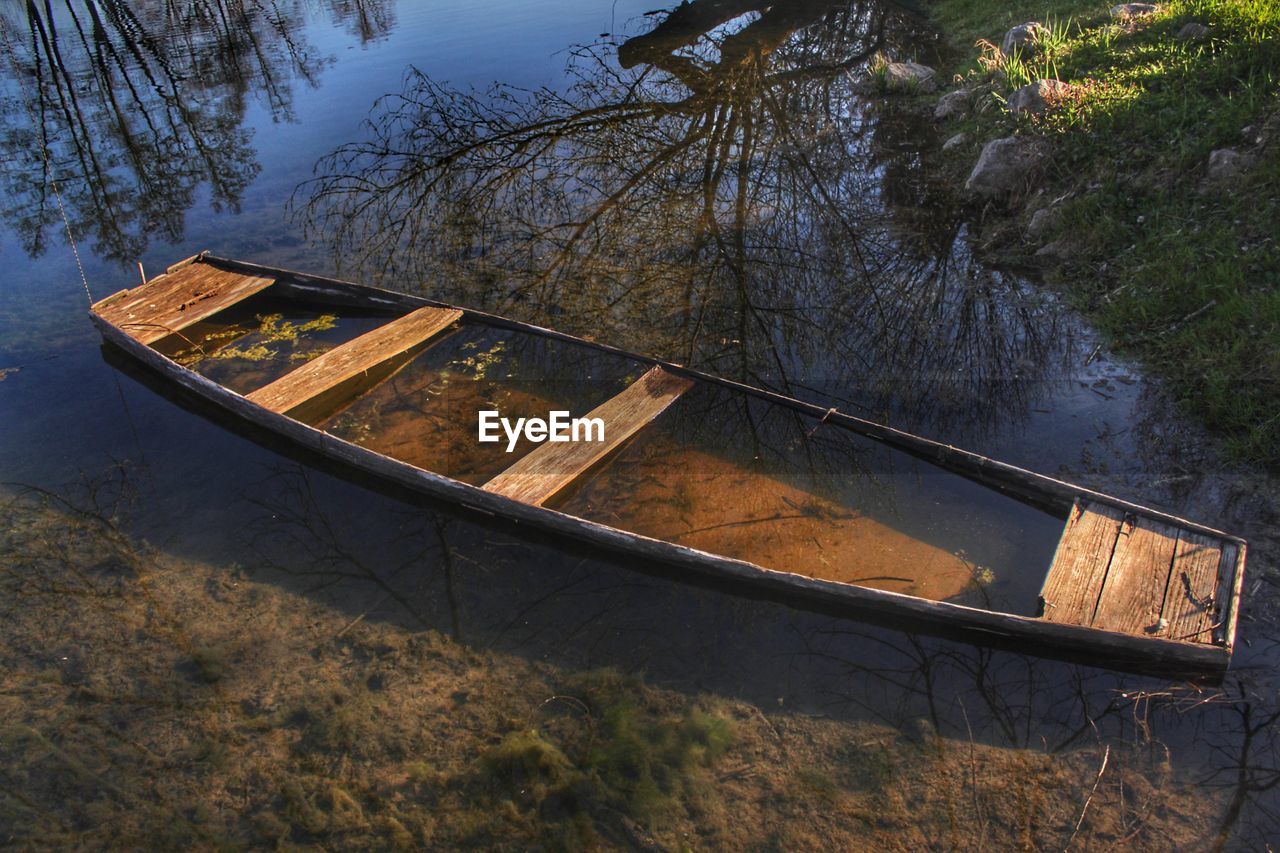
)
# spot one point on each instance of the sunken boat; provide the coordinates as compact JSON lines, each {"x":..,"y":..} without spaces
{"x":709,"y":478}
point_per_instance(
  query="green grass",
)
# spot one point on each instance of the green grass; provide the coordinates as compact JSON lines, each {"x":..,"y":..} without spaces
{"x":963,"y":22}
{"x":648,"y":763}
{"x":1020,"y":67}
{"x":1186,"y":279}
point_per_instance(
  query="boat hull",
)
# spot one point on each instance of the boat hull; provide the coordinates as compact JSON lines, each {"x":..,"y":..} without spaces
{"x":1111,"y":649}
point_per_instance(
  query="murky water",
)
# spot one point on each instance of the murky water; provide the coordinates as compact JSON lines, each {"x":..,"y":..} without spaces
{"x":752,"y":480}
{"x":261,"y":339}
{"x":715,"y":191}
{"x":413,"y":417}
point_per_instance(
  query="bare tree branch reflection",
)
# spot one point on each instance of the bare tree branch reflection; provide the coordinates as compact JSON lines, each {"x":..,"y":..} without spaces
{"x":717,"y":194}
{"x":139,"y":108}
{"x":293,"y":525}
{"x":370,"y":20}
{"x":1062,"y":709}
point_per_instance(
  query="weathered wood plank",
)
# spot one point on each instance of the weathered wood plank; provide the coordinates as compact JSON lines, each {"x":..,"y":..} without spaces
{"x":129,"y":305}
{"x":401,"y":337}
{"x":550,"y":468}
{"x":1133,"y":594}
{"x":175,"y":300}
{"x":1191,"y":600}
{"x":1075,"y":578}
{"x":1231,"y":586}
{"x":184,"y":262}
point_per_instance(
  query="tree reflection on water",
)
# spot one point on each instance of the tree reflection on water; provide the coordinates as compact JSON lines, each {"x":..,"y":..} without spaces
{"x":139,"y":107}
{"x":713,"y":191}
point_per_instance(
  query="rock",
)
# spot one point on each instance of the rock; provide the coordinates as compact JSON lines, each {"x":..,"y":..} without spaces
{"x":1024,"y":38}
{"x":955,"y":141}
{"x":1226,"y":164}
{"x":1133,"y":10}
{"x":1037,"y":97}
{"x":909,"y":77}
{"x":1270,"y":127}
{"x":1043,"y":221}
{"x":1005,"y":166}
{"x":1052,"y":252}
{"x":952,"y":105}
{"x":1193,"y":32}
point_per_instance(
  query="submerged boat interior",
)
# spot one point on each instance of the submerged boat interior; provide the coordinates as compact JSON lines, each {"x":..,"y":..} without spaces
{"x":686,"y":459}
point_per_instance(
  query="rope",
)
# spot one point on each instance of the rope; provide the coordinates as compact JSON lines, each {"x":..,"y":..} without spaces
{"x":66,"y":222}
{"x":44,"y":150}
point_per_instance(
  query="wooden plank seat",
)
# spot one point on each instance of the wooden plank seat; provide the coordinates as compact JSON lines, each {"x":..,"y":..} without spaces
{"x":177,"y":299}
{"x":377,"y":352}
{"x":1124,"y":572}
{"x":550,"y":468}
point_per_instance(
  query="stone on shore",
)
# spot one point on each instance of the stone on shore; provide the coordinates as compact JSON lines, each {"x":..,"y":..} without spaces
{"x":1006,"y":166}
{"x":952,"y":105}
{"x":1024,"y":38}
{"x":955,"y":141}
{"x":1133,"y":10}
{"x":1043,"y":221}
{"x":909,"y":77}
{"x":1226,"y":164}
{"x":1037,"y":97}
{"x":1052,"y":253}
{"x":1193,"y":32}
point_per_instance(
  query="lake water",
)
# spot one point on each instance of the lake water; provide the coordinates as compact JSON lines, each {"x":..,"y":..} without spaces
{"x":716,"y":190}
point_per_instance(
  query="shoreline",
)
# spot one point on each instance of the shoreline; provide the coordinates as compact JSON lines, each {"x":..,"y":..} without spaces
{"x":1132,"y":161}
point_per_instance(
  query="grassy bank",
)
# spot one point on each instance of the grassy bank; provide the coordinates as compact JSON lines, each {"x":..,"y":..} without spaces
{"x":1180,"y":268}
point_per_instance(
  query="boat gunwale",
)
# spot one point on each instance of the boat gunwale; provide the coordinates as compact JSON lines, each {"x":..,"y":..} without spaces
{"x":1213,"y":656}
{"x":1064,"y":491}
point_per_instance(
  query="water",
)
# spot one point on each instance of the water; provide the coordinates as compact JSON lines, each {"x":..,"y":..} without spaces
{"x":732,"y":204}
{"x":753,"y":480}
{"x":414,"y":416}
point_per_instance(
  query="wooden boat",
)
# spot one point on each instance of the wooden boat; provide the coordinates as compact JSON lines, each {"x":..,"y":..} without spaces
{"x":697,"y":473}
